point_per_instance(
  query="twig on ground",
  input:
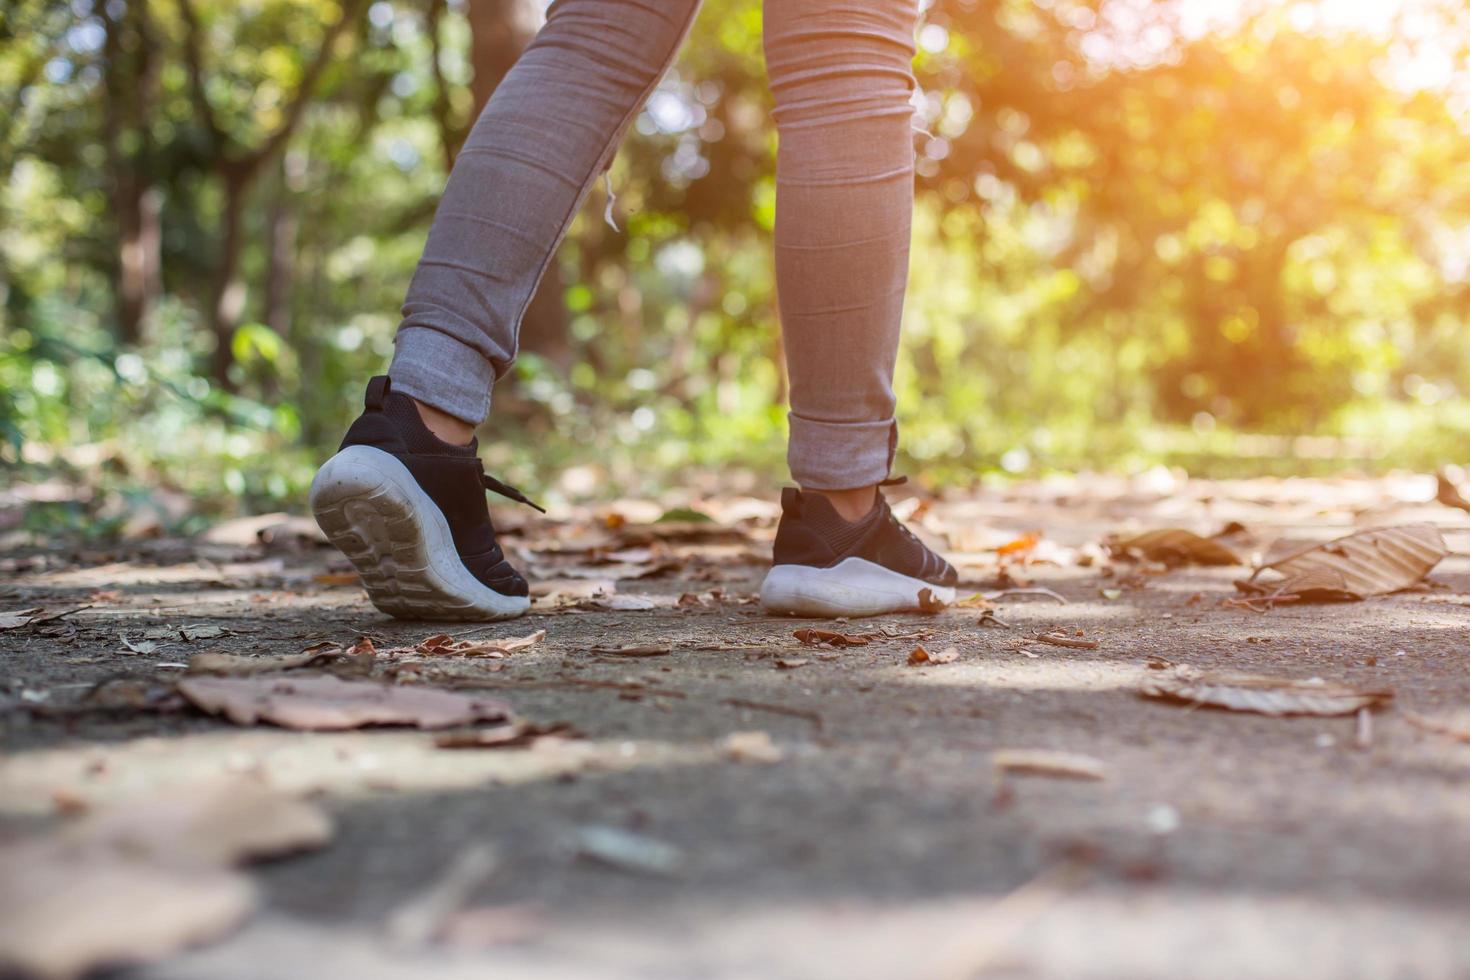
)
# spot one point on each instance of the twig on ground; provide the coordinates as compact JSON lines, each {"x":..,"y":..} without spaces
{"x":1252,"y":602}
{"x":988,"y":618}
{"x":1004,"y":593}
{"x":416,"y":921}
{"x":650,"y":650}
{"x":1057,"y":640}
{"x":779,"y":709}
{"x":728,"y":647}
{"x":46,"y":617}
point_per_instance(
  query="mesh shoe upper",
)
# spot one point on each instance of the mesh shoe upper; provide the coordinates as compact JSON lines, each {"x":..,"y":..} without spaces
{"x":452,"y":476}
{"x":811,"y":532}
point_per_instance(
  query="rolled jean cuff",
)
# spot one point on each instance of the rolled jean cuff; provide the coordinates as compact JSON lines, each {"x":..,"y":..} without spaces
{"x":443,"y":373}
{"x":840,"y":455}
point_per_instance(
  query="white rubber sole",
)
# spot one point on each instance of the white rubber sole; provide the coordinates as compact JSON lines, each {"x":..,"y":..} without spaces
{"x":852,"y":587}
{"x":374,"y":511}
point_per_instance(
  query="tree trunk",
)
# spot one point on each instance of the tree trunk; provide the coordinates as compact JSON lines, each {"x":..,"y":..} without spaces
{"x":136,"y":205}
{"x":138,"y":236}
{"x":280,"y":278}
{"x":499,"y":32}
{"x":228,"y":300}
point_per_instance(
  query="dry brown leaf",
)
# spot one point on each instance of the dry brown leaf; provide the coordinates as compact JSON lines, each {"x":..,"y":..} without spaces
{"x":617,"y":571}
{"x":1021,"y":545}
{"x":138,"y":881}
{"x":326,"y":703}
{"x":218,"y":824}
{"x":516,"y":734}
{"x":920,"y":656}
{"x":1368,"y":563}
{"x":17,"y":618}
{"x":65,"y":910}
{"x":1260,"y":694}
{"x":561,"y":593}
{"x":634,"y":603}
{"x":1175,"y":546}
{"x":753,"y":746}
{"x":1448,"y":494}
{"x":1048,"y":762}
{"x":242,"y":665}
{"x":812,"y":636}
{"x":443,"y":643}
{"x":930,"y":603}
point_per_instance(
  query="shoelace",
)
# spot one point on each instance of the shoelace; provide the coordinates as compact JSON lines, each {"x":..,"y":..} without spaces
{"x":897,"y":481}
{"x":506,"y":490}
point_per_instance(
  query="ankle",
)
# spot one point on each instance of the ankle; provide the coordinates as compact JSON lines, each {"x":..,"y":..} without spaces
{"x":851,"y":505}
{"x":446,"y":427}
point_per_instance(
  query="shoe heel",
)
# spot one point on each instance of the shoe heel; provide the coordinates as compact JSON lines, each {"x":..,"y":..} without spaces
{"x":374,"y":512}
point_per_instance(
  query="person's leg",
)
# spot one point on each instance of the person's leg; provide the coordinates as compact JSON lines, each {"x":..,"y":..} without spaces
{"x":550,"y":129}
{"x":404,"y":497}
{"x":840,"y":72}
{"x":841,"y":76}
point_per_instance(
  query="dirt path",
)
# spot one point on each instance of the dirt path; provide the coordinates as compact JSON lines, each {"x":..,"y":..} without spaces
{"x":882,"y":843}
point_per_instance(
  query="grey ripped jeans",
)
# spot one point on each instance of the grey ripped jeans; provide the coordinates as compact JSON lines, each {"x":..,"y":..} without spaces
{"x":841,"y":77}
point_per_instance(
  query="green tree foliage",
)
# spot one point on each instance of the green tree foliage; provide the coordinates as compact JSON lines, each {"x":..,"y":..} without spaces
{"x":1139,"y":235}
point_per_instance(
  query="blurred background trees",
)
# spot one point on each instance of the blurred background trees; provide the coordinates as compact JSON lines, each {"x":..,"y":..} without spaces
{"x":1232,"y":236}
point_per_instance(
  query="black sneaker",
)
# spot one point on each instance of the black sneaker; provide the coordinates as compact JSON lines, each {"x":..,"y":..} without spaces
{"x":827,"y":566}
{"x":409,"y":510}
